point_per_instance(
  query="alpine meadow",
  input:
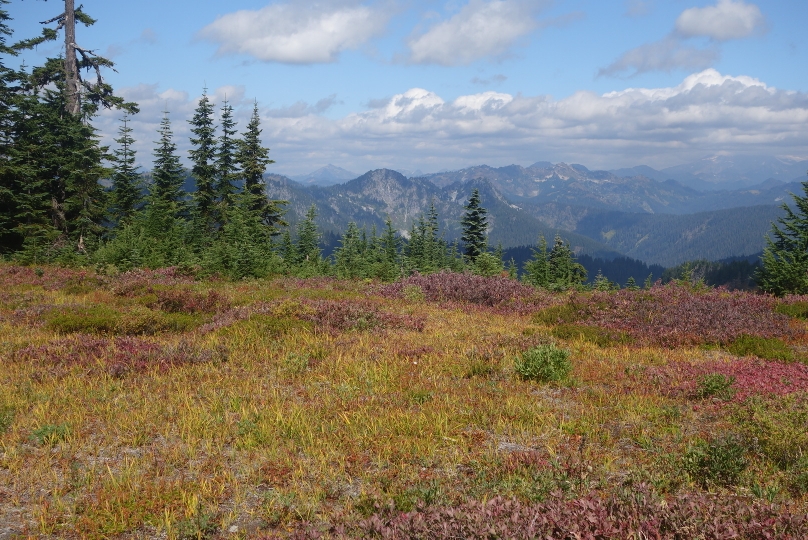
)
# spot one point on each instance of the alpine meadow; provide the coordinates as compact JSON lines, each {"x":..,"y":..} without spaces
{"x":203,"y":338}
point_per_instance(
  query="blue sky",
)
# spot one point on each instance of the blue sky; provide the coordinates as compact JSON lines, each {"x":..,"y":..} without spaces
{"x":430,"y":85}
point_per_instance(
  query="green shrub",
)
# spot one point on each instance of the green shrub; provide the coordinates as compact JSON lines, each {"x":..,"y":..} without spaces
{"x":144,"y":321}
{"x":716,"y":385}
{"x":719,"y":462}
{"x":798,"y":310}
{"x":777,"y":428}
{"x":51,"y":434}
{"x":544,"y":363}
{"x":87,"y":320}
{"x":413,"y":293}
{"x":561,"y":314}
{"x":602,"y":337}
{"x":766,"y":348}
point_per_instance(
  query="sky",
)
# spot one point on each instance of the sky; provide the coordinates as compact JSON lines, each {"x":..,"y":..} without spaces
{"x":429,"y":85}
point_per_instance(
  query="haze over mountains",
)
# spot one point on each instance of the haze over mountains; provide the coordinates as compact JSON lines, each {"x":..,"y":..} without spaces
{"x":636,"y":212}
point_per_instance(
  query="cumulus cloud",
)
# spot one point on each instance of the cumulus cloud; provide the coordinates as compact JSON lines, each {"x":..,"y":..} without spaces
{"x":708,"y":112}
{"x":297,"y":32}
{"x":729,"y":19}
{"x":480,"y":29}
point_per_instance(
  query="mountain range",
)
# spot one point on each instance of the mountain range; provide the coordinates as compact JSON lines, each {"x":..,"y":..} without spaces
{"x":600,"y":213}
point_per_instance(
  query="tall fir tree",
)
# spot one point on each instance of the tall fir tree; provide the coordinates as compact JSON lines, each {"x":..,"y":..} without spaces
{"x":307,"y":248}
{"x":127,"y":189}
{"x":226,"y":164}
{"x":785,"y":257}
{"x":349,"y":257}
{"x":537,"y":269}
{"x":565,"y":272}
{"x":252,"y":157}
{"x":168,"y":174}
{"x":475,"y":227}
{"x":203,"y":157}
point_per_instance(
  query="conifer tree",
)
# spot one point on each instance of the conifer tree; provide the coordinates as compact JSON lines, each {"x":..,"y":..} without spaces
{"x":167,"y":174}
{"x":127,"y":196}
{"x":203,"y":156}
{"x":59,"y":162}
{"x":564,"y":271}
{"x":253,"y":159}
{"x":475,"y":226}
{"x":308,"y":239}
{"x":350,"y":256}
{"x":785,"y":257}
{"x":537,"y":269}
{"x":389,"y":243}
{"x":226,"y":165}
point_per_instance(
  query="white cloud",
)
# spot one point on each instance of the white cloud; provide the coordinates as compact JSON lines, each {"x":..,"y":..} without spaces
{"x":480,"y":29}
{"x":296,"y":33}
{"x":665,"y":55}
{"x":728,"y":19}
{"x":708,"y":112}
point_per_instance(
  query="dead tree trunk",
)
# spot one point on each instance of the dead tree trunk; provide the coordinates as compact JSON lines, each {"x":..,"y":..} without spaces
{"x":72,"y":88}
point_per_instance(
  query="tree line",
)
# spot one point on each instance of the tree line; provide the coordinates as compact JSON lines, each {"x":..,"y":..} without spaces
{"x":65,"y":198}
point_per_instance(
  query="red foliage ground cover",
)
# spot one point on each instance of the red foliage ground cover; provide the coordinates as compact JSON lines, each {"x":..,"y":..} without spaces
{"x":752,"y":376}
{"x":117,"y":357}
{"x":49,"y":278}
{"x":330,"y":315}
{"x":635,"y":513}
{"x":450,"y":288}
{"x":674,"y":316}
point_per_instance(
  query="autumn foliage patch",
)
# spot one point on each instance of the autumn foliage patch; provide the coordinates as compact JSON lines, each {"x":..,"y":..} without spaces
{"x":750,"y":376}
{"x":451,"y":287}
{"x":636,"y":513}
{"x":675,"y":316}
{"x":116,"y":357}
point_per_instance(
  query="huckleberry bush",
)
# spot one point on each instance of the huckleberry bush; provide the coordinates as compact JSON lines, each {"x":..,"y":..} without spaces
{"x":545,"y":363}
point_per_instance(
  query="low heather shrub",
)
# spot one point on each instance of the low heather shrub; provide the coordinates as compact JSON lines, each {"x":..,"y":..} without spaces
{"x":102,"y":319}
{"x":179,"y":300}
{"x":602,"y":337}
{"x":634,"y":513}
{"x":719,"y":462}
{"x":82,"y":319}
{"x":561,"y":314}
{"x":340,"y":316}
{"x":776,"y":427}
{"x":448,"y":287}
{"x":545,"y":363}
{"x":116,"y":357}
{"x":751,"y":377}
{"x":675,"y":315}
{"x":768,"y":348}
{"x":793,"y":305}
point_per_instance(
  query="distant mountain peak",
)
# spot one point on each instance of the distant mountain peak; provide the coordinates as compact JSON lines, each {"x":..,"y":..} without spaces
{"x":326,"y":176}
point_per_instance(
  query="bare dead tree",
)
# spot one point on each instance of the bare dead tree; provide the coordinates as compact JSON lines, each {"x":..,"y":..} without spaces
{"x":77,"y":58}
